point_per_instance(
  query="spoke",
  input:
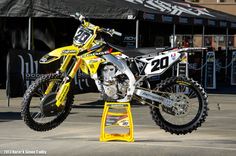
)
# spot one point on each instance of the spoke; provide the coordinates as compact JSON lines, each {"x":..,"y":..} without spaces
{"x":184,"y":89}
{"x":40,"y":92}
{"x":191,"y":95}
{"x":36,"y":115}
{"x":181,"y":120}
{"x":194,"y":107}
{"x":165,"y":95}
{"x":193,"y":102}
{"x":52,"y":102}
{"x":181,"y":89}
{"x":32,"y":114}
{"x":35,"y":107}
{"x":174,"y":89}
{"x":191,"y":111}
{"x":168,"y":89}
{"x":171,"y":89}
{"x":42,"y":118}
{"x":166,"y":116}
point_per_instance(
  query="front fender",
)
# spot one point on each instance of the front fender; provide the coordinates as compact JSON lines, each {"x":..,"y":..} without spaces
{"x":58,"y":53}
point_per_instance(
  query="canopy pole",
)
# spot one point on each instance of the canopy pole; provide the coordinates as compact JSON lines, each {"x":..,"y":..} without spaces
{"x":174,"y":34}
{"x":29,"y":33}
{"x":137,"y":34}
{"x":8,"y":80}
{"x":226,"y":52}
{"x":172,"y":46}
{"x":203,"y":45}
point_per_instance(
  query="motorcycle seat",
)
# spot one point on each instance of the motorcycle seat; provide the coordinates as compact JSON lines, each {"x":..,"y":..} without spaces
{"x":134,"y":52}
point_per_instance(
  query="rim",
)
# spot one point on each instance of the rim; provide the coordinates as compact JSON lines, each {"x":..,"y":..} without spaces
{"x":40,"y":104}
{"x":187,"y":105}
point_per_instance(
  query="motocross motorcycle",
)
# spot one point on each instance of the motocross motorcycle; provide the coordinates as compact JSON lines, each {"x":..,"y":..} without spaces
{"x":178,"y":104}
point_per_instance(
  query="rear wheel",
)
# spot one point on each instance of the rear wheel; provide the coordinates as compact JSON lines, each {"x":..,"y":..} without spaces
{"x":190,"y":106}
{"x":39,"y":111}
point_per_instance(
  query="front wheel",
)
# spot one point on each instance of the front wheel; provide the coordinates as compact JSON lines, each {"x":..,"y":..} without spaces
{"x":189,"y":110}
{"x":39,"y":111}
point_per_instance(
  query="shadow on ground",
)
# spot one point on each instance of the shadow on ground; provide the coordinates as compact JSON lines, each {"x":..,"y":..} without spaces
{"x":94,"y":104}
{"x":9,"y":116}
{"x":100,"y":104}
{"x":223,"y":90}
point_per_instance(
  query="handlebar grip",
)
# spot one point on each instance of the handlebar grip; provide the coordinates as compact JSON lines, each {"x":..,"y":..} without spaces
{"x":78,"y":16}
{"x":111,"y":32}
{"x":117,"y":33}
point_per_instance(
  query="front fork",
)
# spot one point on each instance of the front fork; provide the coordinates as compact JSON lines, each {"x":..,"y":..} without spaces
{"x":65,"y":87}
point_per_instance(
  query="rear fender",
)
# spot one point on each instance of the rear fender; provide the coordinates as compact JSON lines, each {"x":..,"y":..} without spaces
{"x":58,"y":53}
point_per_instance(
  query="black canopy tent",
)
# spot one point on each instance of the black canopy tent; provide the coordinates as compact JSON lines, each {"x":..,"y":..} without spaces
{"x":163,"y":11}
{"x":166,"y":11}
{"x":109,"y":9}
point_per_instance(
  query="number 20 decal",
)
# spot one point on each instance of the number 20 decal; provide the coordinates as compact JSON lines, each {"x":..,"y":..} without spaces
{"x":160,"y":64}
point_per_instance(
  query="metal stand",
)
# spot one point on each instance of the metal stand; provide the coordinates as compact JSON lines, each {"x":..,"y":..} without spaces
{"x":117,"y":115}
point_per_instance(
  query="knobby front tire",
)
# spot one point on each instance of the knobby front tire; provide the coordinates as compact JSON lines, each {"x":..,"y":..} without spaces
{"x":33,"y":92}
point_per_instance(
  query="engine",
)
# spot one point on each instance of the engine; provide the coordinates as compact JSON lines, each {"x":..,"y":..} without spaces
{"x":114,"y":83}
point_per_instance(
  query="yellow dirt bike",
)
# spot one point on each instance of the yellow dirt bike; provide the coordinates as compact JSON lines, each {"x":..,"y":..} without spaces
{"x":178,"y":104}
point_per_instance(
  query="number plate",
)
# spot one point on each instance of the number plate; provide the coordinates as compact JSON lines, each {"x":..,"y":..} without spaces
{"x":82,"y":36}
{"x":159,"y":64}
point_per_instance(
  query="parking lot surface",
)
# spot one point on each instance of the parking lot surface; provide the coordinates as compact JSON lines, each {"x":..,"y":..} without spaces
{"x":79,"y":134}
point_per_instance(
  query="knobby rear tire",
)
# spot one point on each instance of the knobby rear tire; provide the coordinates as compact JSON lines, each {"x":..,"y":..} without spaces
{"x":192,"y":125}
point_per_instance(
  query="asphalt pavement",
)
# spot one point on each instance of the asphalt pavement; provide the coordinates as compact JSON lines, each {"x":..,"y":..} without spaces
{"x":79,"y":134}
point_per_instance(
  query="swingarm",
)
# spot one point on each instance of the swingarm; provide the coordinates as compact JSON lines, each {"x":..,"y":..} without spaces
{"x":154,"y":97}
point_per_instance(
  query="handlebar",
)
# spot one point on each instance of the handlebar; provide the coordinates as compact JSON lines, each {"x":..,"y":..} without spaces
{"x":79,"y":17}
{"x":108,"y":31}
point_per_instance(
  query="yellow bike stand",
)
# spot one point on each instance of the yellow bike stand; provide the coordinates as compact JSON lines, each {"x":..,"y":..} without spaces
{"x":118,"y":115}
